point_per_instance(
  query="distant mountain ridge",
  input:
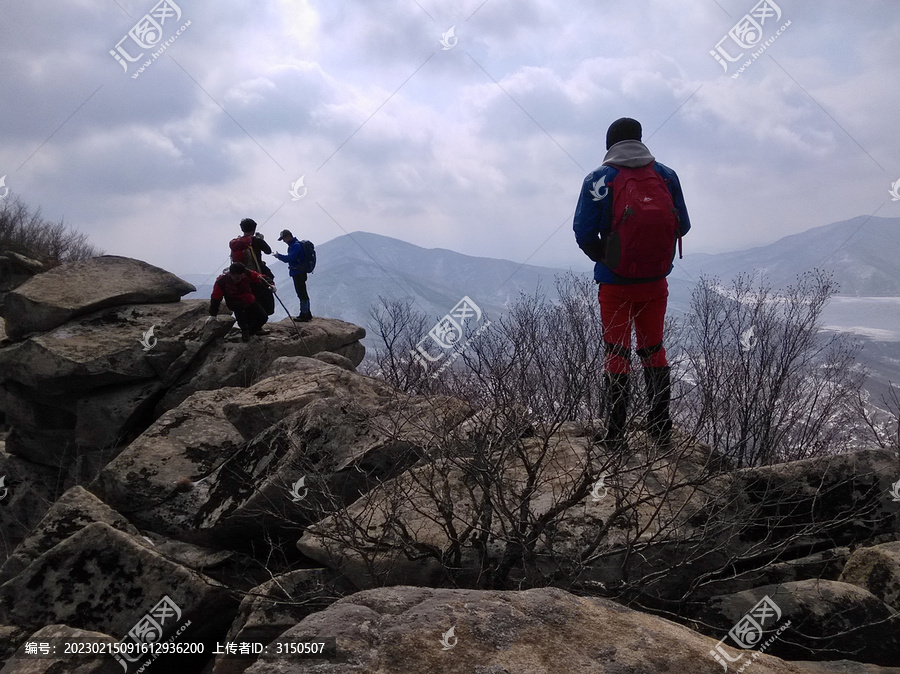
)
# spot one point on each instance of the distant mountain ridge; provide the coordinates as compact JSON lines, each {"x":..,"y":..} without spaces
{"x":863,"y":253}
{"x":356,"y":269}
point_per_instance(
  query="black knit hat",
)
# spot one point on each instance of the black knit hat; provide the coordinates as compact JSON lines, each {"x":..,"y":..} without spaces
{"x":623,"y":129}
{"x":248,"y":225}
{"x":237,"y":268}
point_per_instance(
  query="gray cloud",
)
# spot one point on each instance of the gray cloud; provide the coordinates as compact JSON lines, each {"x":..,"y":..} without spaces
{"x":480,"y":148}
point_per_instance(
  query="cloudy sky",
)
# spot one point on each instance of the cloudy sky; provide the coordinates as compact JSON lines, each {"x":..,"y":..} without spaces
{"x":461,"y":124}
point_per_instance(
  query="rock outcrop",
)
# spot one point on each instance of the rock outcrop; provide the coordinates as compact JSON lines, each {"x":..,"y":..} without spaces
{"x":218,"y":470}
{"x":54,"y":297}
{"x":700,"y":532}
{"x":161,"y":479}
{"x":89,"y":384}
{"x":541,"y":631}
{"x":822,"y":620}
{"x":103,"y":347}
{"x":73,"y":511}
{"x":106,"y":580}
{"x":318,"y":436}
{"x":876,"y":569}
{"x":229,"y":363}
{"x":15,"y":269}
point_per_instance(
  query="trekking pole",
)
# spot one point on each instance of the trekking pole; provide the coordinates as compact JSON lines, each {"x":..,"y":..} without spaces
{"x":299,"y":334}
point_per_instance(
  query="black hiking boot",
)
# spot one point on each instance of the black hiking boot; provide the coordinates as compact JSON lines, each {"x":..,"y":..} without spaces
{"x":616,"y":411}
{"x":245,"y":335}
{"x":304,"y":317}
{"x":659,"y":394}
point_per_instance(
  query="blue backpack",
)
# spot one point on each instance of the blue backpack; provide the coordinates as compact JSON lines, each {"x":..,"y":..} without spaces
{"x":308,"y":263}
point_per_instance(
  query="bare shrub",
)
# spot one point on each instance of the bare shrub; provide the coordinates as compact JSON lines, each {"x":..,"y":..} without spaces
{"x":26,"y":232}
{"x":759,"y":381}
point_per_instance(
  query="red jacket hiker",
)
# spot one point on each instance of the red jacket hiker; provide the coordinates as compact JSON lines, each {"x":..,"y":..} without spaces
{"x":236,"y":288}
{"x":238,"y":294}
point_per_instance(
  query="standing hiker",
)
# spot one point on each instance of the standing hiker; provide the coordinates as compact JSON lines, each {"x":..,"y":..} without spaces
{"x":301,"y":260}
{"x":629,"y":216}
{"x":247,"y":249}
{"x":235,"y":286}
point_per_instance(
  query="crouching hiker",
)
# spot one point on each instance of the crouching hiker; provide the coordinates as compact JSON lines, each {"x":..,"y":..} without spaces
{"x":236,"y":288}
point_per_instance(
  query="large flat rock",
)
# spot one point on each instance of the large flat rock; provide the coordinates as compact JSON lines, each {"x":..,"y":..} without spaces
{"x":105,"y":348}
{"x":228,"y":363}
{"x":545,"y":631}
{"x":50,"y":299}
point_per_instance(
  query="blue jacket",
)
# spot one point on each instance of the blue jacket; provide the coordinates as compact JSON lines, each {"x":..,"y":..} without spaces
{"x":294,"y":257}
{"x":594,"y":213}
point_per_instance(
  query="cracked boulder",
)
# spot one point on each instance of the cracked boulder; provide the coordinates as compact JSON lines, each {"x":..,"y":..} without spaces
{"x":73,"y":511}
{"x":319,"y":436}
{"x":161,"y":479}
{"x":93,"y":382}
{"x":106,"y":580}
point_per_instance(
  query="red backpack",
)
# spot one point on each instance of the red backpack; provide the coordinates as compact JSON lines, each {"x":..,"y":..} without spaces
{"x":645,"y":224}
{"x":240,"y":250}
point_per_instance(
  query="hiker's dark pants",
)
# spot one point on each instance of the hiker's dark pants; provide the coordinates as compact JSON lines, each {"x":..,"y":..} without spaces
{"x":266,"y":299}
{"x":300,"y":286}
{"x":643,"y":306}
{"x":250,"y":318}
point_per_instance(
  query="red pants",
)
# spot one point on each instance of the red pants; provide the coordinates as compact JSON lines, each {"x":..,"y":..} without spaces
{"x":642,"y":305}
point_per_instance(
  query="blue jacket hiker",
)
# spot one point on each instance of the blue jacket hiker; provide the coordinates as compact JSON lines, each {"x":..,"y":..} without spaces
{"x":296,"y":264}
{"x":594,"y":213}
{"x":629,"y":218}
